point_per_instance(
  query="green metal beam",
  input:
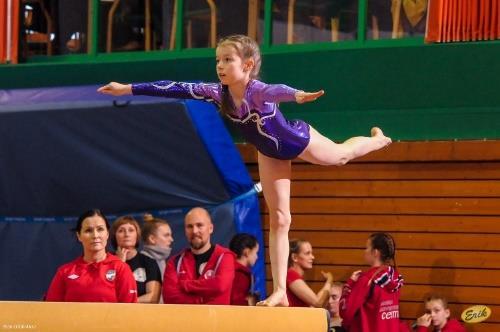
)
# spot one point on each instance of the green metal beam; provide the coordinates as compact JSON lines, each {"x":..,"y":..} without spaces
{"x":93,"y":27}
{"x":362,"y":14}
{"x":268,"y":24}
{"x":179,"y":31}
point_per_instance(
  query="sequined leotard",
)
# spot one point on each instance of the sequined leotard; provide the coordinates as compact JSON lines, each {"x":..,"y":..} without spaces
{"x":259,"y":119}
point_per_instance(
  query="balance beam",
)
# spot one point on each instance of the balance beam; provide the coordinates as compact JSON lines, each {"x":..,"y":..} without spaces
{"x":87,"y":317}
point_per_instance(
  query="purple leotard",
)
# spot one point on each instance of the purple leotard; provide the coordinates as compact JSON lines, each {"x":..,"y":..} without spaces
{"x":259,"y":119}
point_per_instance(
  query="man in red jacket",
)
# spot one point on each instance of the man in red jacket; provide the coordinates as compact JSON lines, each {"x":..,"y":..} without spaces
{"x":203,"y":273}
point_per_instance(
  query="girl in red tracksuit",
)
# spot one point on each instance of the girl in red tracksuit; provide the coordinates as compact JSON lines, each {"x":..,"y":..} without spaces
{"x":245,"y":247}
{"x":370,"y":299}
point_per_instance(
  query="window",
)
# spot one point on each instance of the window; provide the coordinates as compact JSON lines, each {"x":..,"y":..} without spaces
{"x":205,"y":22}
{"x":305,"y":21}
{"x":134,"y":25}
{"x":396,"y":18}
{"x":51,"y":27}
{"x":62,"y":27}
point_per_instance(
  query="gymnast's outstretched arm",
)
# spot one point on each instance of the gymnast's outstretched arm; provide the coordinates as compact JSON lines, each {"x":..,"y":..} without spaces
{"x":209,"y":92}
{"x":277,"y":93}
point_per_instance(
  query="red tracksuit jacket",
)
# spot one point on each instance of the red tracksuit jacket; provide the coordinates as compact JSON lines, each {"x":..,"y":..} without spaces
{"x":453,"y":325}
{"x":241,"y":284}
{"x":371,"y":304}
{"x":110,"y":280}
{"x":181,"y":285}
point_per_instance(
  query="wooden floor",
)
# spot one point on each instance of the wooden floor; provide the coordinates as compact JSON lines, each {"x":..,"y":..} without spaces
{"x":440,"y":201}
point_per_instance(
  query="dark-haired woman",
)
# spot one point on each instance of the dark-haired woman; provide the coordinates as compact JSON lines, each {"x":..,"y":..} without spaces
{"x":370,"y":299}
{"x":97,"y":276}
{"x":245,"y":247}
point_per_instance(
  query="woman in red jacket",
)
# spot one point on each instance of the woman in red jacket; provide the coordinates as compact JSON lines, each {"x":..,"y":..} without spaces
{"x":97,"y":276}
{"x":370,"y":299}
{"x":245,"y":247}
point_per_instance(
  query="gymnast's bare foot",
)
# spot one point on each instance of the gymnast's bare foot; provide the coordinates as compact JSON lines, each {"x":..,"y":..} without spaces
{"x":377,"y":133}
{"x":276,"y":299}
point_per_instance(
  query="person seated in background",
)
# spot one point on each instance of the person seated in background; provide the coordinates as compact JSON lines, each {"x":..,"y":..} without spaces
{"x":72,"y":26}
{"x":333,"y":307}
{"x":437,"y":314}
{"x":245,"y":247}
{"x":128,"y":23}
{"x":336,"y":17}
{"x":97,"y":276}
{"x":157,"y":239}
{"x":298,"y":292}
{"x":414,"y":16}
{"x":125,"y":235}
{"x":380,"y":18}
{"x":202,"y":273}
{"x":397,"y":19}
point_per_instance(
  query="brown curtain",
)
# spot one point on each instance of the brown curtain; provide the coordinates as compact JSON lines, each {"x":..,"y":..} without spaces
{"x":463,"y":20}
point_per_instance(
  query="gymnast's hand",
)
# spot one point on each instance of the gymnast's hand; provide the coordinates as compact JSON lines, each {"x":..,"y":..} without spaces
{"x":304,"y":97}
{"x":116,"y":89}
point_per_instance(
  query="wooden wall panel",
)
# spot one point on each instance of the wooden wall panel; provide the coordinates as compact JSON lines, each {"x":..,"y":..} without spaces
{"x":440,"y":201}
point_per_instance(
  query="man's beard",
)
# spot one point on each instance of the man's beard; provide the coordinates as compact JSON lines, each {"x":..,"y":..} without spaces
{"x":197,"y":243}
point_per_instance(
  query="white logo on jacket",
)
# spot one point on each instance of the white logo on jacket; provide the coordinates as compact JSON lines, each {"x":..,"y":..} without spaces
{"x":73,"y":276}
{"x":389,"y":310}
{"x":210,"y":274}
{"x":110,"y":275}
{"x":390,"y":315}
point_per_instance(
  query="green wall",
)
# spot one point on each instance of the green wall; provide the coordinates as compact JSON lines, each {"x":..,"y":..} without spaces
{"x":414,"y":91}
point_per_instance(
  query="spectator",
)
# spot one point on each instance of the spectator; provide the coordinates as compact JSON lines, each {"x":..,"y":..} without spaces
{"x":129,"y":25}
{"x":72,"y":25}
{"x":298,"y":292}
{"x":125,"y":235}
{"x":97,"y":276}
{"x":437,"y":314}
{"x":245,"y":247}
{"x":157,"y":238}
{"x":414,"y":17}
{"x":203,"y":273}
{"x":333,"y":307}
{"x":380,"y":18}
{"x":370,"y":299}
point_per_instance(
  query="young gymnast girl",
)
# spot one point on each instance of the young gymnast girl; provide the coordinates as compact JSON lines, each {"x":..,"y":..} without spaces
{"x":253,"y":106}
